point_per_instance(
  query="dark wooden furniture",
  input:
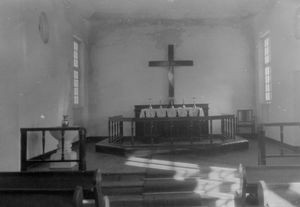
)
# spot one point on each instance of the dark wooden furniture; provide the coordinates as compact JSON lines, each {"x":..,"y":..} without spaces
{"x":50,"y":186}
{"x":116,"y":127}
{"x":199,"y":128}
{"x":26,"y":163}
{"x":245,"y":119}
{"x":45,"y":198}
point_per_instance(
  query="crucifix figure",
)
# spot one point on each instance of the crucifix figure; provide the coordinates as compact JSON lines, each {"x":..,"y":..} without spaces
{"x":171,"y":63}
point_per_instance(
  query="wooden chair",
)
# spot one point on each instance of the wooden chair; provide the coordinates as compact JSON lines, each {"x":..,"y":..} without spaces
{"x":245,"y":119}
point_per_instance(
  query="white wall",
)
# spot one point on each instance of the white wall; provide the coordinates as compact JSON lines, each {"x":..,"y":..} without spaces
{"x":35,"y":77}
{"x":279,"y":21}
{"x":222,"y":74}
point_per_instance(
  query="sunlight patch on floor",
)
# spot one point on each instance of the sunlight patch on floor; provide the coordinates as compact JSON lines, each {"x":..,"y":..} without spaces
{"x":273,"y":199}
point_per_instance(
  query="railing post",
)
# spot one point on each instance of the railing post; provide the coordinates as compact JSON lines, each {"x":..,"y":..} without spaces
{"x":23,"y":150}
{"x":261,"y":147}
{"x":234,"y":127}
{"x":121,"y":131}
{"x":222,"y":126}
{"x":109,"y":134}
{"x":62,"y":144}
{"x":281,"y":139}
{"x":211,"y":131}
{"x":132,"y":132}
{"x":82,"y":139}
{"x":191,"y":131}
{"x":151,"y":132}
{"x":43,"y":142}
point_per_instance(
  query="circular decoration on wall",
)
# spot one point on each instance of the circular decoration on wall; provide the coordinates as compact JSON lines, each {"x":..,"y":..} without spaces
{"x":44,"y":27}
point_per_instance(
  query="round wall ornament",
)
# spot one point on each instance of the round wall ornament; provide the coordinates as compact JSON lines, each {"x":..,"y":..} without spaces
{"x":44,"y":27}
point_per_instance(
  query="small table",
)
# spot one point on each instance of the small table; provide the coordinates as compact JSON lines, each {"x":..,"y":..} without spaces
{"x":25,"y":163}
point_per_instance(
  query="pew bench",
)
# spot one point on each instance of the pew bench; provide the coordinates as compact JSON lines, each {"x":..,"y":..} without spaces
{"x":53,"y":183}
{"x":41,"y":197}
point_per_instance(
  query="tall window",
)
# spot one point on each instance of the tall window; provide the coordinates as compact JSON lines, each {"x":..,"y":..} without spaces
{"x":76,"y":69}
{"x":267,"y":68}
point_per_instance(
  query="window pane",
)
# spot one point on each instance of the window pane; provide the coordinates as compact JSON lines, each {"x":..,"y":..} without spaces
{"x":76,"y":100}
{"x":75,"y":45}
{"x":76,"y":91}
{"x":76,"y":74}
{"x":75,"y":63}
{"x":267,"y":87}
{"x":76,"y":83}
{"x":268,"y":96}
{"x":267,"y":71}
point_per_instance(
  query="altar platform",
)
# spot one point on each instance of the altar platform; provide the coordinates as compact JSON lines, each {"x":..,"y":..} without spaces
{"x":202,"y":145}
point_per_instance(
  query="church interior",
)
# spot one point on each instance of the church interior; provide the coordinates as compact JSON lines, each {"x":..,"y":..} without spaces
{"x":149,"y":103}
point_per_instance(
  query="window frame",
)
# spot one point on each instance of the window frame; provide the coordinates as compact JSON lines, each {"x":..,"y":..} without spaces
{"x":76,"y":79}
{"x":267,"y":69}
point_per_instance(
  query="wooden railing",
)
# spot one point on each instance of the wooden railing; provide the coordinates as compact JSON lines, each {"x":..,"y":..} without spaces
{"x":116,"y":126}
{"x":262,"y":157}
{"x":25,"y":163}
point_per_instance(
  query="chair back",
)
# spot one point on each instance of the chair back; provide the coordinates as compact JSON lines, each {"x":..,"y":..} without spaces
{"x":245,"y":115}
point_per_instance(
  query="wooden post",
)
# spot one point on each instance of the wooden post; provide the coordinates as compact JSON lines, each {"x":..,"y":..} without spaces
{"x":281,"y":139}
{"x":222,"y":126}
{"x":82,"y":161}
{"x":151,"y":132}
{"x":132,"y":131}
{"x":121,"y":131}
{"x":109,"y":131}
{"x":23,"y":150}
{"x":234,"y":127}
{"x":261,"y":147}
{"x":211,"y":131}
{"x":171,"y":132}
{"x":62,"y":144}
{"x":43,"y":142}
{"x":191,"y":131}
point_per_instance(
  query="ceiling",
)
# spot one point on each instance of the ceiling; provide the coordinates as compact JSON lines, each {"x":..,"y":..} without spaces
{"x":166,"y":9}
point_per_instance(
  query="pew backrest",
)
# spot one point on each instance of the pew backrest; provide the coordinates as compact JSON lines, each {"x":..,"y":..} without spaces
{"x":42,"y":198}
{"x":53,"y":181}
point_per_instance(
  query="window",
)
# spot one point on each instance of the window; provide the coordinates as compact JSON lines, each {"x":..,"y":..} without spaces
{"x":267,"y":69}
{"x":76,"y":69}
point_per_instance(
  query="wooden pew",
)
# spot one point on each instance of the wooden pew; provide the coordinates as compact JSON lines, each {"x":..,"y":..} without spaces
{"x":41,"y":197}
{"x":262,"y":183}
{"x":53,"y":182}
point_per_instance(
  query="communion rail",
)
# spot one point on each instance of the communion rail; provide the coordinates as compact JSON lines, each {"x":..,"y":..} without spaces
{"x":116,"y":127}
{"x":262,"y":157}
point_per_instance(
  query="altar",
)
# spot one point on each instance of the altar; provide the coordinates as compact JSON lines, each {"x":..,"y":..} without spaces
{"x":176,"y":120}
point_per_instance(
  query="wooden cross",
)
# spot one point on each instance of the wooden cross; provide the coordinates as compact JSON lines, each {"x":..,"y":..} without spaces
{"x":171,"y":63}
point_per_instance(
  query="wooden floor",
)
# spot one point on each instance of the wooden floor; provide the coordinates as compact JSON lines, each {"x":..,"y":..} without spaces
{"x":117,"y":163}
{"x":141,"y":160}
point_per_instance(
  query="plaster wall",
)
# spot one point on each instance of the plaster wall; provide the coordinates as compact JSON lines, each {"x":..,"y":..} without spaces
{"x":120,"y":78}
{"x":35,"y":76}
{"x":280,"y":22}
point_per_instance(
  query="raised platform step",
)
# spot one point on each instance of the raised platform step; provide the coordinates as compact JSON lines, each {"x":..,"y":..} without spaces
{"x":175,"y":170}
{"x":203,"y":145}
{"x":202,"y":186}
{"x":170,"y":199}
